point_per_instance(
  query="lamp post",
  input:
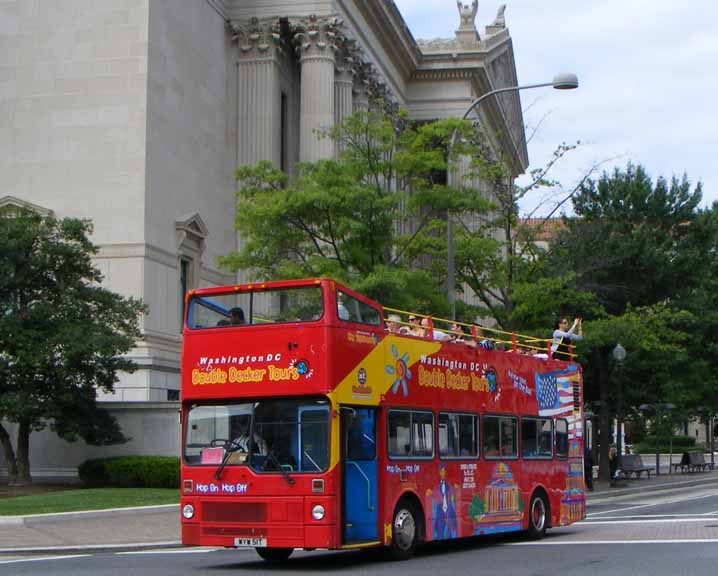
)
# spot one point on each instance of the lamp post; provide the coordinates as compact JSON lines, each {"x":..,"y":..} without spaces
{"x":658,"y":409}
{"x":567,"y":81}
{"x":619,"y":355}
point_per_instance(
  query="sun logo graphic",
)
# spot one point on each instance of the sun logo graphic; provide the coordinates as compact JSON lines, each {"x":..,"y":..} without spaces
{"x":400,"y":371}
{"x":302,"y":367}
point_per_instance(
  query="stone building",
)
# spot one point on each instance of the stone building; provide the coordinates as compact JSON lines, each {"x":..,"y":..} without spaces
{"x":136,"y":113}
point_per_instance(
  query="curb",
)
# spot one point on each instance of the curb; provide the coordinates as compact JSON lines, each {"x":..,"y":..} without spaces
{"x":92,"y":548}
{"x":61,"y":516}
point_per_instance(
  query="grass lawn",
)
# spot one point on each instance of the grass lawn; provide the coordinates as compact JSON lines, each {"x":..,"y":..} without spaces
{"x":86,"y":499}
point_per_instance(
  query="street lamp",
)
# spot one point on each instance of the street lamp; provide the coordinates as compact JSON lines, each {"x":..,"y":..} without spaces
{"x":619,"y":355}
{"x":658,"y":409}
{"x":566,"y":81}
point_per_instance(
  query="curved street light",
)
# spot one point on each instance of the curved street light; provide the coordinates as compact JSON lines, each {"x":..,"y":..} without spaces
{"x":564,"y":81}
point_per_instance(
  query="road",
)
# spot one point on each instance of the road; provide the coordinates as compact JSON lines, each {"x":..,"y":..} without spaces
{"x":657,"y":533}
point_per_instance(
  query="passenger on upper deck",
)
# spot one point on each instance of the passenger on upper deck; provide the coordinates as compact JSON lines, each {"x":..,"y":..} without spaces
{"x":414,"y":328}
{"x":435,"y":334}
{"x":393,"y":325}
{"x":456,"y":333}
{"x":563,"y":338}
{"x":480,"y":340}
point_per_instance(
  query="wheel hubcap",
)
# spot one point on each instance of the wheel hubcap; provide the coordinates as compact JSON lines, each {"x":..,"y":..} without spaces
{"x":404,"y":529}
{"x":538,"y":514}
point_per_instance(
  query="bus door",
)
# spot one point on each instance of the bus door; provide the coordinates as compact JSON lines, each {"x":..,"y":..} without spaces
{"x":359,"y":473}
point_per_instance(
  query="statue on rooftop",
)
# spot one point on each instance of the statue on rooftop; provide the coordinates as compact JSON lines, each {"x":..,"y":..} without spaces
{"x":468,"y":13}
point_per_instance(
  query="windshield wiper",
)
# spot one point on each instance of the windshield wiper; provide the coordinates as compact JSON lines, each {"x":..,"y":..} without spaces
{"x":233,"y":447}
{"x":278,"y":464}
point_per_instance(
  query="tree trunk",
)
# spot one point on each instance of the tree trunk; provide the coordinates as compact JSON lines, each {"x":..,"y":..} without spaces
{"x":9,"y":454}
{"x":604,"y":425}
{"x":23,"y":454}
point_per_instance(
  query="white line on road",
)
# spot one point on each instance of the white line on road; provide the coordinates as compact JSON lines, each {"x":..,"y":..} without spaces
{"x":658,"y":503}
{"x":646,"y":521}
{"x":43,"y":559}
{"x":630,"y":542}
{"x":169,"y":551}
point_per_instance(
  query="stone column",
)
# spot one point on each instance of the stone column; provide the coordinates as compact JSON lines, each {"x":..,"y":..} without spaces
{"x":343,"y":88}
{"x":315,"y":38}
{"x":258,"y":92}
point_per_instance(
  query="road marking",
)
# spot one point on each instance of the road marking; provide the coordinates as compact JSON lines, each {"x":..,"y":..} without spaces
{"x":611,"y":542}
{"x":661,"y":503}
{"x":45,"y":558}
{"x":169,"y":551}
{"x":704,"y":514}
{"x":647,"y":521}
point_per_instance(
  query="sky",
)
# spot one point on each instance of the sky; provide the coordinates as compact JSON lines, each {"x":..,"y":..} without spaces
{"x":648,"y":74}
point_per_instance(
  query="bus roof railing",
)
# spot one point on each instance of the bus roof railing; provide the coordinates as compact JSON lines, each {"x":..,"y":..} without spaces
{"x":511,"y":341}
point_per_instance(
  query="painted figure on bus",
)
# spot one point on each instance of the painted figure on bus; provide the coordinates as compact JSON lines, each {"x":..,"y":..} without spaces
{"x":443,"y":507}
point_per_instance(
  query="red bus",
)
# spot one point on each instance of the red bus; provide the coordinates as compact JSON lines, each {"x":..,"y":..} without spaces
{"x":306,"y":424}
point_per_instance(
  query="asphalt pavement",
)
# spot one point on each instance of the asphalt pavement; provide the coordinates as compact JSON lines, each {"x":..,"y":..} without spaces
{"x":156,"y":527}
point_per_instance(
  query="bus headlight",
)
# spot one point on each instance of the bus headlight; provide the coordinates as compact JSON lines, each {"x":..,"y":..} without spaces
{"x":188,"y":511}
{"x":318,"y":512}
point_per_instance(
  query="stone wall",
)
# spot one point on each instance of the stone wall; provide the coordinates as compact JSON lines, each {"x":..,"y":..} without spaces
{"x":154,"y":429}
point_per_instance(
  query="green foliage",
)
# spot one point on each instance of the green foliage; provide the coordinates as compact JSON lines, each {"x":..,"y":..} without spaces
{"x":87,"y":499}
{"x":375,"y":218}
{"x":62,"y":336}
{"x":476,"y":509}
{"x":131,"y":471}
{"x":680,"y":444}
{"x":494,"y":256}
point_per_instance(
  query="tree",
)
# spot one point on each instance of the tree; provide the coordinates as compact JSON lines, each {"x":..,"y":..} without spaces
{"x":375,"y":218}
{"x":61,"y":336}
{"x":631,"y":242}
{"x":639,"y":251}
{"x":496,"y":257}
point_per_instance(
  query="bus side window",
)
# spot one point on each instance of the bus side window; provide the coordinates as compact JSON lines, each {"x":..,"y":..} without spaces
{"x":561,"y":438}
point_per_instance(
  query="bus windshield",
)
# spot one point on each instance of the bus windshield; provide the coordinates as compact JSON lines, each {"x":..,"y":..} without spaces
{"x":268,"y":435}
{"x":295,"y":304}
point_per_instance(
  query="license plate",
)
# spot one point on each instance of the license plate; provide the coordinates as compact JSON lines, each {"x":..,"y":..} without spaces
{"x":250,"y":542}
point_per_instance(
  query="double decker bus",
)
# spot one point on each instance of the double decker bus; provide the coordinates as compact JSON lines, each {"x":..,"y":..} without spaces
{"x":307,"y":425}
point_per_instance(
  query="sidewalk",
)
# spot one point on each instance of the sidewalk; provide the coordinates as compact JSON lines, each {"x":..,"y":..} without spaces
{"x":159,"y":526}
{"x":120,"y":529}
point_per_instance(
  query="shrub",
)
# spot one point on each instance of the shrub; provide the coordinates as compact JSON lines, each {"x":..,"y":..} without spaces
{"x":131,"y":471}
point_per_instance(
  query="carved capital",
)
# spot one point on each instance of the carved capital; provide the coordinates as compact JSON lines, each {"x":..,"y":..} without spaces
{"x":316,"y":36}
{"x":258,"y":38}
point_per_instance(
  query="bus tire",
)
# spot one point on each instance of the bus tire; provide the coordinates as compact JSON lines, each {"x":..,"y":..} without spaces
{"x":274,"y":555}
{"x":538,"y":516}
{"x":404,"y":531}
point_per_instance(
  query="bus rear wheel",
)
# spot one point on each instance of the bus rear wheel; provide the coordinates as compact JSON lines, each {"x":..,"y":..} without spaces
{"x":538,"y":517}
{"x":405,"y":532}
{"x":274,"y":555}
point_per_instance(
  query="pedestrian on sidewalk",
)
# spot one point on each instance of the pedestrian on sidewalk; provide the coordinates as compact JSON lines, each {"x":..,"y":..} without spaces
{"x":588,"y":469}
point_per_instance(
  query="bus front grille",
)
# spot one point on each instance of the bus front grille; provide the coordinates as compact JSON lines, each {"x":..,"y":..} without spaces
{"x":234,"y":512}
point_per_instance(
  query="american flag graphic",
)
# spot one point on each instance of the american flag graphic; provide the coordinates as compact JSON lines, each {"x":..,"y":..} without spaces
{"x":554,"y":391}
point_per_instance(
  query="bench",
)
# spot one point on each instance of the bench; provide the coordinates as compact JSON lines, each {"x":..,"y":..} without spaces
{"x":684,"y":464}
{"x":698,"y":462}
{"x":693,"y":462}
{"x":632,"y":466}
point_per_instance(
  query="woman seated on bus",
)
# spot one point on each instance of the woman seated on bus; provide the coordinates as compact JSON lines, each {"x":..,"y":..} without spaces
{"x":393,"y":325}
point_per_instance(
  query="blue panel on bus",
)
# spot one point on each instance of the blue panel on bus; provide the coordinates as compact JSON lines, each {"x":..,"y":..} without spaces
{"x":360,"y":497}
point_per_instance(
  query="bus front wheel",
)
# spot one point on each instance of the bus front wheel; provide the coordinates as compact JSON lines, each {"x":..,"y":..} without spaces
{"x":274,"y":555}
{"x":538,"y":517}
{"x":405,"y":532}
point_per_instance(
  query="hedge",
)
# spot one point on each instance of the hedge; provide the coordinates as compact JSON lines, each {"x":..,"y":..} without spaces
{"x":131,"y":471}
